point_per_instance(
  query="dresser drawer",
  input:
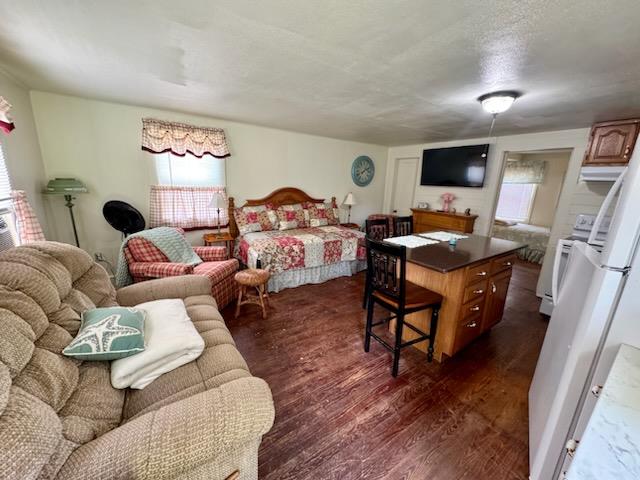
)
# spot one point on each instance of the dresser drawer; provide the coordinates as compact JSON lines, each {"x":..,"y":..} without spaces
{"x":475,"y":291}
{"x":503,"y":263}
{"x":477,"y":273}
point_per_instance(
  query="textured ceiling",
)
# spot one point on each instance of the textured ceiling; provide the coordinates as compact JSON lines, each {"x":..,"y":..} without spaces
{"x":382,"y":71}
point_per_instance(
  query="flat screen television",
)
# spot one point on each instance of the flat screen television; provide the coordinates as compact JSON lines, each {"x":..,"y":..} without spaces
{"x":455,"y":166}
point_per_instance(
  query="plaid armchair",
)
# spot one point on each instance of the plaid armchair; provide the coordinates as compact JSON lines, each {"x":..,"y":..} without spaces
{"x":146,"y":262}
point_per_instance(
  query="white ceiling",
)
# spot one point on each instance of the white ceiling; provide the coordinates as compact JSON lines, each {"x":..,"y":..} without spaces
{"x":382,"y":71}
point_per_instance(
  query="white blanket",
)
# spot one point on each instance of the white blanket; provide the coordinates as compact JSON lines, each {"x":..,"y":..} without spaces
{"x":171,"y":341}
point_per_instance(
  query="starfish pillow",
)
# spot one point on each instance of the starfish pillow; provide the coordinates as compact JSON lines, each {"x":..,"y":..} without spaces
{"x":108,"y":334}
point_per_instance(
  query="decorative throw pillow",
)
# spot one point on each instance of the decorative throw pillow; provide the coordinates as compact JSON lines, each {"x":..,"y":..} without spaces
{"x":321,"y":214}
{"x":253,"y":219}
{"x":291,"y":216}
{"x":108,"y":334}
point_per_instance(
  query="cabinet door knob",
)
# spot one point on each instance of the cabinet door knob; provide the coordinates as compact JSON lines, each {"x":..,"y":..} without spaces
{"x":493,"y":287}
{"x":481,"y":274}
{"x":471,"y":325}
{"x":478,"y":292}
{"x":475,"y":308}
{"x":507,"y":264}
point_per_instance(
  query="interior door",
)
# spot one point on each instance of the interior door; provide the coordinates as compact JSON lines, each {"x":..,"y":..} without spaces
{"x":404,"y":185}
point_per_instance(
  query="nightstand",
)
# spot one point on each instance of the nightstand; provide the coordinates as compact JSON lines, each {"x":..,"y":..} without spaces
{"x":212,"y":238}
{"x":354,"y":226}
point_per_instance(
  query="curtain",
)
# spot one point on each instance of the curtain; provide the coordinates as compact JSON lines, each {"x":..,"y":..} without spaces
{"x":6,"y":124}
{"x":159,"y":136}
{"x":186,"y":207}
{"x":29,"y":229}
{"x":525,"y":171}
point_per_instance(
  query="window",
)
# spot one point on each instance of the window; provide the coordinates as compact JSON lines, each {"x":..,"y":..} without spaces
{"x":190,"y":170}
{"x":5,"y":185}
{"x":186,"y":186}
{"x":8,"y":230}
{"x":516,"y":200}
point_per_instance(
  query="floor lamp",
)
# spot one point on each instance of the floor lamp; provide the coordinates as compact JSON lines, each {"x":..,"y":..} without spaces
{"x":67,"y":187}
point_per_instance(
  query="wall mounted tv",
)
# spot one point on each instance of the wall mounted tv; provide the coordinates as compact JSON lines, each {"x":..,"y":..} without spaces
{"x":455,"y":166}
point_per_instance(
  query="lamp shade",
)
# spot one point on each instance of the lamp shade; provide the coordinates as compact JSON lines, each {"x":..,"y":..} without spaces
{"x":349,"y":200}
{"x":65,"y":186}
{"x":217,"y":201}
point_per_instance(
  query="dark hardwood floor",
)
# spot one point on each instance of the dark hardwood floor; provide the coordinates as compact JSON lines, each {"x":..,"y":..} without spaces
{"x":341,"y":415}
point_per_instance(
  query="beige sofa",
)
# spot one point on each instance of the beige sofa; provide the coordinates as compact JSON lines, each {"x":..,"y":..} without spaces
{"x":60,"y":418}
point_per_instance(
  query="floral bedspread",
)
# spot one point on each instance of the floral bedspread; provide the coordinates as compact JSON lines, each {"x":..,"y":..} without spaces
{"x":301,"y":248}
{"x":536,"y":238}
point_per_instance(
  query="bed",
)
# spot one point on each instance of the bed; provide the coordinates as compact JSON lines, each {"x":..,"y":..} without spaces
{"x":535,"y":236}
{"x":298,"y":256}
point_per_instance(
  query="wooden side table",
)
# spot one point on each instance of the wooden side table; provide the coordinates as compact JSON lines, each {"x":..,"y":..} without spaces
{"x":213,"y":238}
{"x":354,"y":226}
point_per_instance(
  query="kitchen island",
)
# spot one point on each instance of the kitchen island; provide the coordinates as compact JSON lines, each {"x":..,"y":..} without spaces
{"x":472,"y":277}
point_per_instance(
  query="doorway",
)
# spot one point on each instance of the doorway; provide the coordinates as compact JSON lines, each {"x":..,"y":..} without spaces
{"x":529,"y":193}
{"x":404,"y":185}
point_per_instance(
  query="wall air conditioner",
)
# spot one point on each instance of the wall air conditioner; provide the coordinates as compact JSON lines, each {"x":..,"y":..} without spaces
{"x":601,"y":174}
{"x":6,"y":239}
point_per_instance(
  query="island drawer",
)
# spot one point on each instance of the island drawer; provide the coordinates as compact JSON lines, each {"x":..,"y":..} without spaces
{"x":468,"y":330}
{"x":503,"y":263}
{"x":477,"y":273}
{"x":475,"y":291}
{"x":472,"y":308}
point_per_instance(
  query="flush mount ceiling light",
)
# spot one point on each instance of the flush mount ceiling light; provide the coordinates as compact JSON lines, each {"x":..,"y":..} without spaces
{"x":498,"y":102}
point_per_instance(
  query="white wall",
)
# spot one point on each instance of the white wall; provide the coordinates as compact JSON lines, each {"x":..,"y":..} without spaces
{"x":21,"y":147}
{"x":543,"y":210}
{"x":99,"y":143}
{"x":576,"y":197}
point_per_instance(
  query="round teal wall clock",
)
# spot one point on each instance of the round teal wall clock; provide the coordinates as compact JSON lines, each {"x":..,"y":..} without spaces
{"x":362,"y":171}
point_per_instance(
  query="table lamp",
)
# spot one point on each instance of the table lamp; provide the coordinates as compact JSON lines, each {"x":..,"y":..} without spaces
{"x":349,"y":201}
{"x":218,"y":201}
{"x":67,"y":187}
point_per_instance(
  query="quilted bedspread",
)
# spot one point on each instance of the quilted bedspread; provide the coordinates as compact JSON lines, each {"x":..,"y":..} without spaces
{"x":301,"y":248}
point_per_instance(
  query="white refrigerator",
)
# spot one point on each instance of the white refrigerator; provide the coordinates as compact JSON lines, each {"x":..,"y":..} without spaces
{"x":596,"y":309}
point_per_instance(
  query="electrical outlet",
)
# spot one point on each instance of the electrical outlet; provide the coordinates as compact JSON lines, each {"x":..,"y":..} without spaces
{"x":99,"y":256}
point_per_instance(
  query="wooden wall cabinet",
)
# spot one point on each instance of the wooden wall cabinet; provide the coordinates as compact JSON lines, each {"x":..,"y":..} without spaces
{"x":430,"y":220}
{"x":611,"y":143}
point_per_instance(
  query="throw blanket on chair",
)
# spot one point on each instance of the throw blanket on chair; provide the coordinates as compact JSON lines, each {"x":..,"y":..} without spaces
{"x":166,"y":239}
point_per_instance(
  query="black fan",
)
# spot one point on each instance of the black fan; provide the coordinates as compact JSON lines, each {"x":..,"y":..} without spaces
{"x":123,"y":217}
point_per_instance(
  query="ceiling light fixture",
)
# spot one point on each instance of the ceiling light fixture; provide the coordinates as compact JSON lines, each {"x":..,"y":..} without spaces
{"x":498,"y":102}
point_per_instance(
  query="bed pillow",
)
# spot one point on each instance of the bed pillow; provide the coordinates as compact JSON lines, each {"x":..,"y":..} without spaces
{"x":504,"y":223}
{"x":321,"y":214}
{"x":257,"y":218}
{"x":291,"y":216}
{"x":171,"y":339}
{"x":108,"y":334}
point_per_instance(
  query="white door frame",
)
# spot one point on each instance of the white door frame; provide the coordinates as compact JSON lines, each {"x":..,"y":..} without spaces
{"x":503,"y":166}
{"x":396,"y":162}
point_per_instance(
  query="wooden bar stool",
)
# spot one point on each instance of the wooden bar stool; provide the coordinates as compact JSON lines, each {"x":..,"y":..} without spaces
{"x":387,"y":286}
{"x":253,"y":278}
{"x":376,"y":229}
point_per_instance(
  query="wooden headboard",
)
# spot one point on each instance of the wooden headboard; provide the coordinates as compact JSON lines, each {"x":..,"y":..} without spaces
{"x":282,"y":196}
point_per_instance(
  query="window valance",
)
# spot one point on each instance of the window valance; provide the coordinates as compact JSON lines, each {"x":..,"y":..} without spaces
{"x":6,"y":124}
{"x":159,"y":136}
{"x":524,"y":171}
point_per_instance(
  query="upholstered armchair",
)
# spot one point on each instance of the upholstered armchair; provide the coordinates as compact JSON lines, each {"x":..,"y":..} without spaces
{"x":147,"y":262}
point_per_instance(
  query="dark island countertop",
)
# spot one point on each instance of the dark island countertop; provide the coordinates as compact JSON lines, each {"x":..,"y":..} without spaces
{"x":444,"y":258}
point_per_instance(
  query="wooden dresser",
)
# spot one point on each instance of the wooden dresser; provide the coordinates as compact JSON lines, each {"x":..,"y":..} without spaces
{"x":429,"y":220}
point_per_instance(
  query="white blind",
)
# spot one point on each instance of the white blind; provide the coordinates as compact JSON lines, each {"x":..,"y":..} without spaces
{"x":5,"y":184}
{"x":190,"y":170}
{"x":515,"y":202}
